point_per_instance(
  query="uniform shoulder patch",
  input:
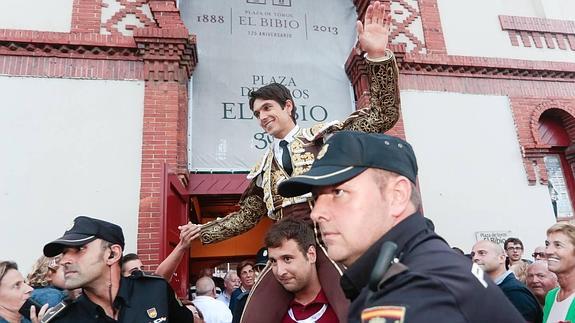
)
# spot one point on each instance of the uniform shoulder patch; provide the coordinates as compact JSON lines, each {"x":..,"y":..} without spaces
{"x":140,"y":274}
{"x":383,"y":314}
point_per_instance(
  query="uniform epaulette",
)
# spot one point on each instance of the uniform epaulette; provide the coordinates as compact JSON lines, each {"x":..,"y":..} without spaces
{"x":137,"y":274}
{"x":152,"y":275}
{"x":58,"y":309}
{"x":317,"y":130}
{"x":259,"y":166}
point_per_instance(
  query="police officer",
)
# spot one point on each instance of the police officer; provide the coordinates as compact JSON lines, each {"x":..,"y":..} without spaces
{"x":91,"y":252}
{"x":365,"y":196}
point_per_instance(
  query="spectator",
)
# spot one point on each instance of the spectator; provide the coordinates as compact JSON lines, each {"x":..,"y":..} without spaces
{"x":13,"y":294}
{"x":188,"y":232}
{"x":519,"y":269}
{"x":91,"y":252}
{"x":539,"y":253}
{"x":130,"y":263}
{"x":247,"y":276}
{"x":292,"y":254}
{"x":231,"y":282}
{"x":365,"y":201}
{"x":514,"y":249}
{"x":540,"y":280}
{"x":491,"y":258}
{"x":213,"y":310}
{"x":560,"y":251}
{"x":209,"y":272}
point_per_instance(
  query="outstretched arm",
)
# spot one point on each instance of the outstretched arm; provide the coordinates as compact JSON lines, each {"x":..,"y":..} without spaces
{"x":383,"y":111}
{"x":188,"y":232}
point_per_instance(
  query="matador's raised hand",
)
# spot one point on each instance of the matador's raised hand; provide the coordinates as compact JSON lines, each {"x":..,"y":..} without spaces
{"x":374,"y":33}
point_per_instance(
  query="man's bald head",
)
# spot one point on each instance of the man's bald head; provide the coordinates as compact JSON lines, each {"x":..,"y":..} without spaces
{"x":489,"y":256}
{"x":205,"y":286}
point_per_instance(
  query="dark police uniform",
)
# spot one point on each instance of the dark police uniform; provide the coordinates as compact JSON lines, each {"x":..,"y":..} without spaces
{"x":431,"y":283}
{"x":140,"y":299}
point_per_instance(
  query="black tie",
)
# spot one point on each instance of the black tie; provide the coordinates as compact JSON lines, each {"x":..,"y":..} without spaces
{"x":286,"y":159}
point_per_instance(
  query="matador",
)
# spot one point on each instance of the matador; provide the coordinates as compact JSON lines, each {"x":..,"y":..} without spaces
{"x":292,"y":153}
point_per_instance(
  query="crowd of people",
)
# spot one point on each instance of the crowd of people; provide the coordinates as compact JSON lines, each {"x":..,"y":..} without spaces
{"x":350,"y":243}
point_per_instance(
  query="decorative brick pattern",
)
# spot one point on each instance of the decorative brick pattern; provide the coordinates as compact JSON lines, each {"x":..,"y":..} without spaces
{"x":86,"y":16}
{"x":407,"y":26}
{"x":486,"y":67}
{"x":487,"y":86}
{"x":122,"y":17}
{"x":432,"y":30}
{"x":170,"y":54}
{"x":71,"y":68}
{"x":65,"y":45}
{"x":550,"y":33}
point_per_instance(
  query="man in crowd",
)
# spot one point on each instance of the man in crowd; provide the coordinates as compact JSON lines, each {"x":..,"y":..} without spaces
{"x":540,"y":280}
{"x":560,"y":250}
{"x":91,"y":252}
{"x":294,"y":149}
{"x":292,"y":254}
{"x":491,"y":258}
{"x":539,"y":254}
{"x":514,"y":249}
{"x":231,"y":283}
{"x":213,"y":310}
{"x":365,"y":196}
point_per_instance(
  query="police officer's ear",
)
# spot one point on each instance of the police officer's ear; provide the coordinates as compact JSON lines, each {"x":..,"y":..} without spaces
{"x":399,"y":190}
{"x":114,"y":254}
{"x":311,"y":254}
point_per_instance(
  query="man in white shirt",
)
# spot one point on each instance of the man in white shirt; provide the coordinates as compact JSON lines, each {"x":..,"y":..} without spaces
{"x":231,"y":282}
{"x":213,"y":310}
{"x":560,"y":250}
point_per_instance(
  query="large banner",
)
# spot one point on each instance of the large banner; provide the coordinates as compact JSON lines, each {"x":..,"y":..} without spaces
{"x":245,"y":44}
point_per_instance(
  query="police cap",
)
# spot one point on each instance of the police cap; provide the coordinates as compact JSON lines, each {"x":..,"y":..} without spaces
{"x":85,"y":230}
{"x":347,"y":154}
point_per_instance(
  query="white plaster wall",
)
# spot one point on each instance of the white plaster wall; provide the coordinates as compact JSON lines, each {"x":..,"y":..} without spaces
{"x":471,"y":173}
{"x":42,"y":15}
{"x":472,"y":28}
{"x":69,"y":147}
{"x":559,"y":9}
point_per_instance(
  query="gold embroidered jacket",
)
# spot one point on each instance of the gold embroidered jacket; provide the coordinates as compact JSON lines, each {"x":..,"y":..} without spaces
{"x":263,"y":199}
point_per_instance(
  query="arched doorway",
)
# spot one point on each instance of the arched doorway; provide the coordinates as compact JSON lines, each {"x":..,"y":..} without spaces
{"x":555,"y":127}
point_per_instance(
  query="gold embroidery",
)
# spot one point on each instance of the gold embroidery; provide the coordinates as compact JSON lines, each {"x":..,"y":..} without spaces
{"x":252,"y":209}
{"x":384,"y":108}
{"x":381,"y":116}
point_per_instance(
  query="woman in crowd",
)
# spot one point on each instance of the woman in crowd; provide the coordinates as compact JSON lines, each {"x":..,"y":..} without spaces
{"x":13,"y":294}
